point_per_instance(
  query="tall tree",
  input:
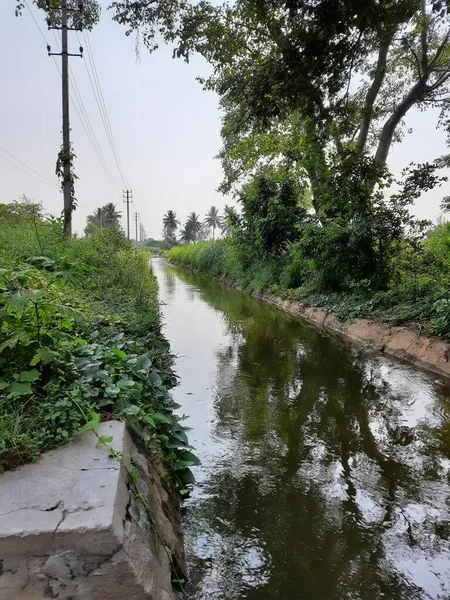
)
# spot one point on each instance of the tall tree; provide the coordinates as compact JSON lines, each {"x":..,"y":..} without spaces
{"x":213,"y":219}
{"x":106,"y":216}
{"x":192,"y":227}
{"x":111,"y":215}
{"x":85,"y":18}
{"x":170,"y":223}
{"x":307,"y":82}
{"x":229,"y":221}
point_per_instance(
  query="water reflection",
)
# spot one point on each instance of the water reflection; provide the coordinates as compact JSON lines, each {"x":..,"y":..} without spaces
{"x":325,"y":469}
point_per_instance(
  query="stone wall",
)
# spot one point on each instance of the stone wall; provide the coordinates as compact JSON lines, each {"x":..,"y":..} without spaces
{"x":72,"y":529}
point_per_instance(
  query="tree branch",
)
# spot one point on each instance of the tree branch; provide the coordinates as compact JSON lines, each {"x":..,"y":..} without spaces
{"x":372,"y":94}
{"x":423,"y":38}
{"x":414,"y":95}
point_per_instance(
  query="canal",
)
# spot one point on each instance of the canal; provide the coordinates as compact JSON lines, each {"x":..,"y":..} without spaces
{"x":325,"y":468}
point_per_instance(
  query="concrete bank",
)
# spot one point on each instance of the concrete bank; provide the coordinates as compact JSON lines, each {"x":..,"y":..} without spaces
{"x":72,"y":529}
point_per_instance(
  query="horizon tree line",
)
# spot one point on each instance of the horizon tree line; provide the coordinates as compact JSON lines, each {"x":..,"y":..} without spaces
{"x":195,"y":229}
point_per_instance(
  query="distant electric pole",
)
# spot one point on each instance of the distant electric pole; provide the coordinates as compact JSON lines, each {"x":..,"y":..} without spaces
{"x":66,"y":150}
{"x":142,"y":235}
{"x":128,"y":199}
{"x":136,"y":217}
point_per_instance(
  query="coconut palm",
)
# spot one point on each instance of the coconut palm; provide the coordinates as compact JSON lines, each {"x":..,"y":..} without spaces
{"x":192,"y":227}
{"x":213,"y":219}
{"x":106,"y":216}
{"x":228,"y":220}
{"x":111,"y":216}
{"x":170,"y":223}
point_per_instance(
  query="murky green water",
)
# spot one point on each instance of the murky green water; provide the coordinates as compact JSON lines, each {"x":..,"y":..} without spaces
{"x":326,"y":471}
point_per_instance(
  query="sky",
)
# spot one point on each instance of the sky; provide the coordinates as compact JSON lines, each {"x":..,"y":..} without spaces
{"x":165,"y":127}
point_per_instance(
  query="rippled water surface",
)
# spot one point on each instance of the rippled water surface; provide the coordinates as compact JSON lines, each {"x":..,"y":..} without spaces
{"x":326,"y":470}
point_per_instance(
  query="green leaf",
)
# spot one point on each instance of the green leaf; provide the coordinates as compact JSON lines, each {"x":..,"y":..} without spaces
{"x":163,"y":418}
{"x":44,"y":355}
{"x":65,"y":324}
{"x":186,"y":477}
{"x":112,"y":390}
{"x":119,"y":353}
{"x":185,"y":455}
{"x":4,"y":384}
{"x":143,"y":363}
{"x":92,"y":424}
{"x":21,"y":389}
{"x":181,"y":435}
{"x":154,"y":379}
{"x":132,"y":409}
{"x":149,"y":421}
{"x":104,"y":440}
{"x":134,"y":476}
{"x":183,"y":464}
{"x":29,"y":375}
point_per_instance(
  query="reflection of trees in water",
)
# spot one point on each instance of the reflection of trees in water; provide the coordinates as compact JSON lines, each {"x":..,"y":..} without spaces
{"x":322,"y":468}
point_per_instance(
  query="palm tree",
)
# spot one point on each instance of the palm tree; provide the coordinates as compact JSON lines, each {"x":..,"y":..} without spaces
{"x":192,"y":227}
{"x":229,"y":220}
{"x":111,"y":216}
{"x":170,"y":223}
{"x":193,"y":224}
{"x":213,"y":219}
{"x":106,"y":216}
{"x":94,"y":222}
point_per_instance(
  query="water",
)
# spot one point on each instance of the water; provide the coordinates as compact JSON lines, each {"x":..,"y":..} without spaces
{"x":326,"y":469}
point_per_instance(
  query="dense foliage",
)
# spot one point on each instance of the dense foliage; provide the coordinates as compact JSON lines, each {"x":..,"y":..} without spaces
{"x":314,"y":94}
{"x":80,"y":341}
{"x":415,"y":292}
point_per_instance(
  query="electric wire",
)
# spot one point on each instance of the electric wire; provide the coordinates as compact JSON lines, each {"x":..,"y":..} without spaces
{"x":83,"y":116}
{"x":98,"y":93}
{"x":88,"y":126}
{"x":22,"y":165}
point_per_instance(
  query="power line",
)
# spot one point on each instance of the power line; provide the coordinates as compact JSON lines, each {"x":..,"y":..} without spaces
{"x":87,"y":125}
{"x":83,"y":116}
{"x":98,"y":93}
{"x":33,"y":172}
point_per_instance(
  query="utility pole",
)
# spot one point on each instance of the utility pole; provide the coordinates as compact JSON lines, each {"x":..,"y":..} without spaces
{"x":136,"y":217}
{"x":128,"y":199}
{"x":67,"y":182}
{"x":67,"y":179}
{"x":142,"y":235}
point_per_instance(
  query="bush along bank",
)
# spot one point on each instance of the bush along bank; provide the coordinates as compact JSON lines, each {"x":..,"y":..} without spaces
{"x":415,"y":293}
{"x":81,"y":342}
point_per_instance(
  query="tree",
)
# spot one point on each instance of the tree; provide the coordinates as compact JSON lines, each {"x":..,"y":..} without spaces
{"x":111,"y":216}
{"x":104,"y":217}
{"x":80,"y":19}
{"x":229,"y":221}
{"x":309,"y":81}
{"x":191,"y":229}
{"x":170,"y":223}
{"x":213,"y":219}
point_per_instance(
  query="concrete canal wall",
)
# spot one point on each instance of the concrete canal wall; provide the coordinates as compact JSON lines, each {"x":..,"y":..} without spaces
{"x":71,"y":527}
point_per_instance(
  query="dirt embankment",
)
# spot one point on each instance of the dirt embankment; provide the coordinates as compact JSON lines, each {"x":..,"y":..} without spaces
{"x":402,"y":342}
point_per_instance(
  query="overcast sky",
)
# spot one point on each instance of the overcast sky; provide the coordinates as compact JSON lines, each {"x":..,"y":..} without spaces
{"x":165,"y":126}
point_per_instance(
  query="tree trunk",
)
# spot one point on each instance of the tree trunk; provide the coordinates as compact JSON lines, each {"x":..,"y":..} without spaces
{"x":372,"y":94}
{"x":387,"y":134}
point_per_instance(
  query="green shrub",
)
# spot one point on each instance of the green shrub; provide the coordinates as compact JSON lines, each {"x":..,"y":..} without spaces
{"x":80,"y":336}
